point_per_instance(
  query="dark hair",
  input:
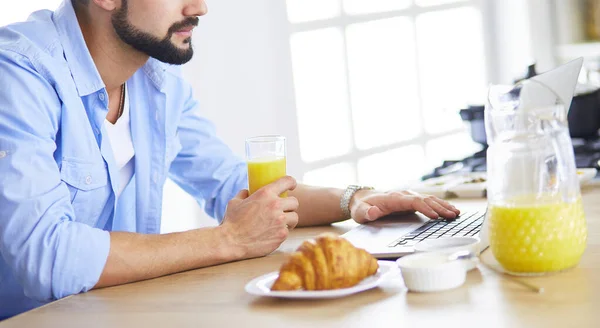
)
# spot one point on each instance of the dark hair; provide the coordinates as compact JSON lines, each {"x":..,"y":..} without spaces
{"x":80,"y":2}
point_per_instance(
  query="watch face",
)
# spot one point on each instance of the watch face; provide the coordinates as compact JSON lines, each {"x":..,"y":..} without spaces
{"x":356,"y":187}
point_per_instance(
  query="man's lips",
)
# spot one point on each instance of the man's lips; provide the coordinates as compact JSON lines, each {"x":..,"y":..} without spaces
{"x":186,"y":31}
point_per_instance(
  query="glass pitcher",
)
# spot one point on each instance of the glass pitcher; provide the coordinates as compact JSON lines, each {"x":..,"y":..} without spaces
{"x":535,"y":216}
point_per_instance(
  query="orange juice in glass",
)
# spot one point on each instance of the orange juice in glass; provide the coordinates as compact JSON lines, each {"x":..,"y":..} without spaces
{"x":266,"y":158}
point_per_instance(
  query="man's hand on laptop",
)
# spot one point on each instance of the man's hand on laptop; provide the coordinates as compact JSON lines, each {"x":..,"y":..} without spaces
{"x":257,"y":224}
{"x":370,"y":205}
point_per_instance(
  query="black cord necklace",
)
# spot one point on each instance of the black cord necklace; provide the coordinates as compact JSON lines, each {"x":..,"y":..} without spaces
{"x":122,"y":101}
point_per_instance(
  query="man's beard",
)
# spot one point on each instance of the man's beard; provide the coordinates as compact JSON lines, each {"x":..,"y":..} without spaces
{"x":163,"y":50}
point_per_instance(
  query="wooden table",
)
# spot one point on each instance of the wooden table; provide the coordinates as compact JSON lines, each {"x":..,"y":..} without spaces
{"x":215,"y":297}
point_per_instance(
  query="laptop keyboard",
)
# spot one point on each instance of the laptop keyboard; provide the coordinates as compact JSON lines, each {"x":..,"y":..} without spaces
{"x":467,"y":224}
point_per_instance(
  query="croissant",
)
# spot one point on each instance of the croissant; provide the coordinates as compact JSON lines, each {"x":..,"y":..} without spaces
{"x":329,"y":262}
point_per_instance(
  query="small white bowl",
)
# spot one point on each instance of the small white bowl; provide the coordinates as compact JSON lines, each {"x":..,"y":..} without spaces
{"x":432,"y":271}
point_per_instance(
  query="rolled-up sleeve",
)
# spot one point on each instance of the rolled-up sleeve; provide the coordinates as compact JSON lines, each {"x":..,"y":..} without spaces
{"x":205,"y":166}
{"x":51,"y":253}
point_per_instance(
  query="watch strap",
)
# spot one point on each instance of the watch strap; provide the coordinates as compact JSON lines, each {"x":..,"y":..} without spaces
{"x":347,"y":197}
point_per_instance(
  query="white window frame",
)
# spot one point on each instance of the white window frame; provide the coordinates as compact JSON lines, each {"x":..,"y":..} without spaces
{"x":342,"y":22}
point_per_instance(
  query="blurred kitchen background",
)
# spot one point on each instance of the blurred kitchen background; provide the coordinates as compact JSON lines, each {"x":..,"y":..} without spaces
{"x":366,"y":92}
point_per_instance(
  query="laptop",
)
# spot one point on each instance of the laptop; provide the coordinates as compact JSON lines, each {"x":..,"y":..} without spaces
{"x":395,"y":236}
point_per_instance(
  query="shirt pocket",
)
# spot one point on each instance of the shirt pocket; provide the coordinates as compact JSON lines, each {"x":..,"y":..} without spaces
{"x":89,"y":188}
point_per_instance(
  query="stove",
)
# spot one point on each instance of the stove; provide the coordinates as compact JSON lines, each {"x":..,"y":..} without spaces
{"x":587,"y":155}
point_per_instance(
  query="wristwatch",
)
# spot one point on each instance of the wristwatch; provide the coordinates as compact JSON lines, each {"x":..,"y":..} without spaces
{"x":347,"y":196}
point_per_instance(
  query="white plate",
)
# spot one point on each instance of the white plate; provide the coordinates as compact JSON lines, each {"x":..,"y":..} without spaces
{"x":261,"y":286}
{"x":436,"y":186}
{"x":467,"y":189}
{"x":453,"y":186}
{"x":585,"y":175}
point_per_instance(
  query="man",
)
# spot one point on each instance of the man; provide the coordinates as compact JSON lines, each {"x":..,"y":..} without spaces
{"x":92,"y":121}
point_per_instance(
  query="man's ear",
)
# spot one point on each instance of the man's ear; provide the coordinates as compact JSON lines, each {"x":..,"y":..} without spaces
{"x":108,"y":5}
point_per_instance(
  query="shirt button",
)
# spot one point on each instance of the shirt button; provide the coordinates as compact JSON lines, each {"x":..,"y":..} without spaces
{"x":155,"y":177}
{"x":2,"y":154}
{"x":88,"y":179}
{"x":101,"y":96}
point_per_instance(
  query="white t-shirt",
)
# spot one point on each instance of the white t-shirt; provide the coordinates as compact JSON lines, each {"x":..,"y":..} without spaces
{"x":119,"y":135}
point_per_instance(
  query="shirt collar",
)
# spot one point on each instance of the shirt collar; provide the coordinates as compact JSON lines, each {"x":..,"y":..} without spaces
{"x":155,"y":71}
{"x":85,"y":74}
{"x":80,"y":62}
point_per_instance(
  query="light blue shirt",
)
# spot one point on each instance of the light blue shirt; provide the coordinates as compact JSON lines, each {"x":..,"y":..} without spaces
{"x":57,"y":173}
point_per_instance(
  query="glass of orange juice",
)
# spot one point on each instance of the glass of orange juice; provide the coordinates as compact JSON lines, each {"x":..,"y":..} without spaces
{"x":266,"y":158}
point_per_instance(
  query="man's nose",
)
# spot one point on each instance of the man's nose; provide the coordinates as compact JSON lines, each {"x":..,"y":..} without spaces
{"x":195,"y":8}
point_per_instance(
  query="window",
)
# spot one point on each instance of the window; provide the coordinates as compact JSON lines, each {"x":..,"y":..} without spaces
{"x":379,"y":84}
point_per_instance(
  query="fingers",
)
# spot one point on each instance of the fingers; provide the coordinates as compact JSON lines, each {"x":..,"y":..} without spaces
{"x":442,"y":211}
{"x":243,"y":194}
{"x":291,"y":220}
{"x":448,"y":206}
{"x":282,"y":185}
{"x":393,"y":202}
{"x":289,"y":204}
{"x":433,"y":207}
{"x":375,"y":213}
{"x":420,"y":205}
{"x":365,"y":212}
{"x":440,"y":201}
{"x":361,"y":213}
{"x":402,"y":202}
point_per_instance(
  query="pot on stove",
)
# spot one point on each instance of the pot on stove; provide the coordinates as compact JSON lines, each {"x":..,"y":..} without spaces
{"x":584,"y":114}
{"x":474,"y":115}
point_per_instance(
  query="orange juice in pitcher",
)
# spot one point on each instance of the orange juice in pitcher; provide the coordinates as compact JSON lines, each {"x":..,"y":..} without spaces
{"x":535,"y":236}
{"x":535,"y":217}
